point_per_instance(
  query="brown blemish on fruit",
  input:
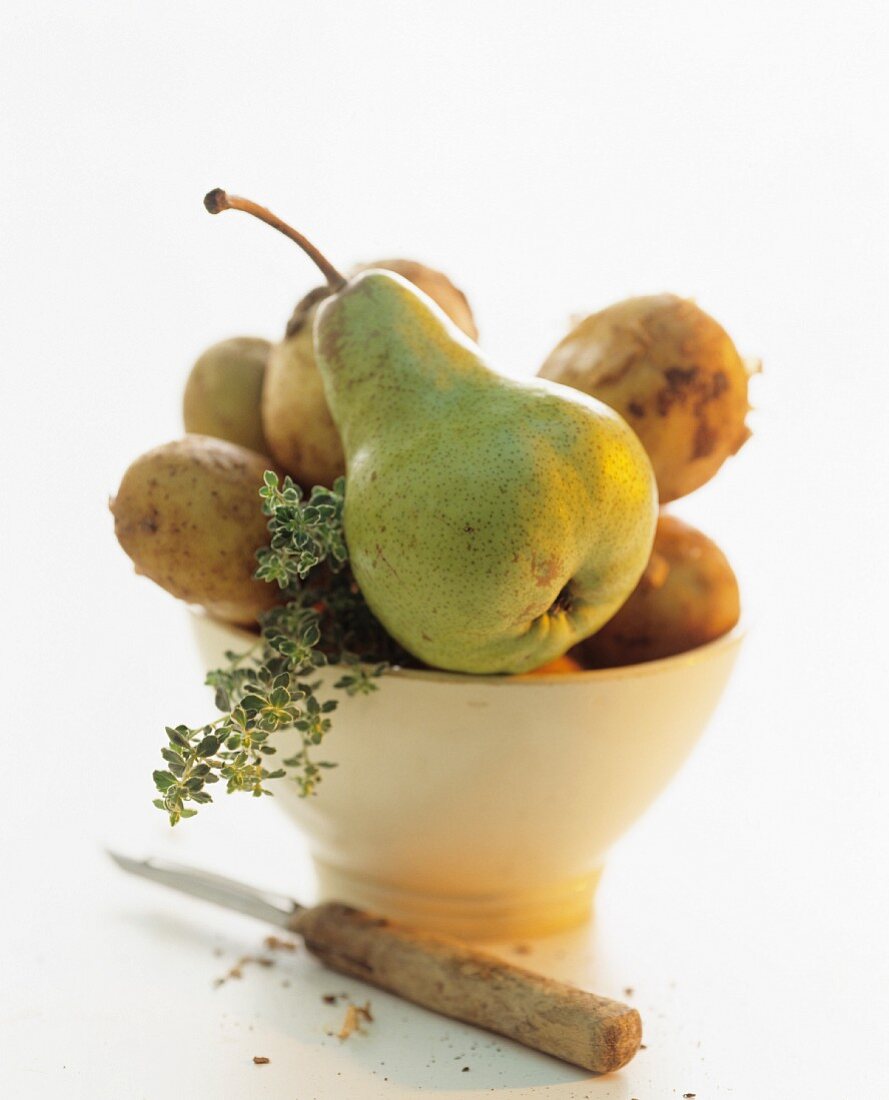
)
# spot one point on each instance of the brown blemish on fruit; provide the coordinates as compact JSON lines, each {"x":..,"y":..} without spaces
{"x":680,"y":384}
{"x":545,"y":572}
{"x":705,"y":439}
{"x":381,"y":557}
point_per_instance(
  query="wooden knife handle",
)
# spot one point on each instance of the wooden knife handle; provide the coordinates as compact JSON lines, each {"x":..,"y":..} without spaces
{"x":448,"y":977}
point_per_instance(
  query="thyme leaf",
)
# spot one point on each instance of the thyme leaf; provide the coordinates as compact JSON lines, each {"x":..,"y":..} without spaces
{"x":273,"y":686}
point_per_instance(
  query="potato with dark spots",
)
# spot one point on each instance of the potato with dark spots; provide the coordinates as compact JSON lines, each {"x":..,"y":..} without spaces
{"x":675,"y":376}
{"x":223,"y":393}
{"x":296,"y":420}
{"x":190,"y":517}
{"x":688,"y":595}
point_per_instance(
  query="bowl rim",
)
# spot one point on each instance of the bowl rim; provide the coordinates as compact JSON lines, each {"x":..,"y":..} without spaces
{"x":697,"y":655}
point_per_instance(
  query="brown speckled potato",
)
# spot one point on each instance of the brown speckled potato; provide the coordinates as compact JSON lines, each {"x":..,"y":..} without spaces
{"x":189,"y":515}
{"x":688,"y":595}
{"x":223,"y":392}
{"x":674,"y":375}
{"x":297,"y":423}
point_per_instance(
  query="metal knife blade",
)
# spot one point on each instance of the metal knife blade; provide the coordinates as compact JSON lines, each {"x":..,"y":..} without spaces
{"x":262,"y":904}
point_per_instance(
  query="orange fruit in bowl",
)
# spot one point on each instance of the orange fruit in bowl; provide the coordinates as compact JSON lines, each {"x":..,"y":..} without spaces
{"x":561,"y":665}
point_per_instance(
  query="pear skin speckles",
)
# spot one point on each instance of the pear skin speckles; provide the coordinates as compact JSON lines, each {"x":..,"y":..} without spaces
{"x":491,"y":523}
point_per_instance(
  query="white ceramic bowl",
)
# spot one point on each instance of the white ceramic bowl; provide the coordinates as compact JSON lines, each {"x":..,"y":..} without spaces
{"x":483,"y":806}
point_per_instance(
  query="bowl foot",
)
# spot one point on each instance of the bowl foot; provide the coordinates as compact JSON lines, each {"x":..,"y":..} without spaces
{"x":502,"y":916}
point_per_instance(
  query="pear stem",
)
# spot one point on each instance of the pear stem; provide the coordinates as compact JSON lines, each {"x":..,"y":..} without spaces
{"x":217,"y":200}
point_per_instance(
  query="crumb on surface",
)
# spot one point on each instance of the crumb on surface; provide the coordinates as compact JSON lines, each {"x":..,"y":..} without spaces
{"x":274,"y":943}
{"x":236,"y":972}
{"x":260,"y":1060}
{"x":355,"y":1014}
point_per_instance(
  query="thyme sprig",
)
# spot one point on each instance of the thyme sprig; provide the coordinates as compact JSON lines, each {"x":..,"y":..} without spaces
{"x":272,"y":686}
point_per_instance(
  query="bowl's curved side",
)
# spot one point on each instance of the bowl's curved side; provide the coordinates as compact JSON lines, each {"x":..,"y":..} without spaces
{"x":464,"y":785}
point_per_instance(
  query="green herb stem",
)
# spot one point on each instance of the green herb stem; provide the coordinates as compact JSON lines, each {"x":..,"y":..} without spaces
{"x":271,"y":687}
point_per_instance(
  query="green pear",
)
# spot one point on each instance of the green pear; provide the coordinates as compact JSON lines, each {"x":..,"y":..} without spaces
{"x":434,"y":283}
{"x":491,"y":523}
{"x":223,"y":391}
{"x":297,"y":422}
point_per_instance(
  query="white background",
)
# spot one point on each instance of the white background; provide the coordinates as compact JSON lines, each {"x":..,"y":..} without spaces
{"x":553,"y":158}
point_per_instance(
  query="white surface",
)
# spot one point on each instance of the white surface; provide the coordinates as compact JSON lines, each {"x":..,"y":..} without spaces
{"x":554,"y":158}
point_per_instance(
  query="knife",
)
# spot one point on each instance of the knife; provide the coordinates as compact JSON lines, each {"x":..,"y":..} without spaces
{"x":434,"y":971}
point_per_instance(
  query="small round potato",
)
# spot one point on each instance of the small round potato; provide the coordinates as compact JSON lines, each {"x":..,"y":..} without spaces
{"x":190,"y":516}
{"x":674,"y":375}
{"x":688,"y":595}
{"x":223,"y":392}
